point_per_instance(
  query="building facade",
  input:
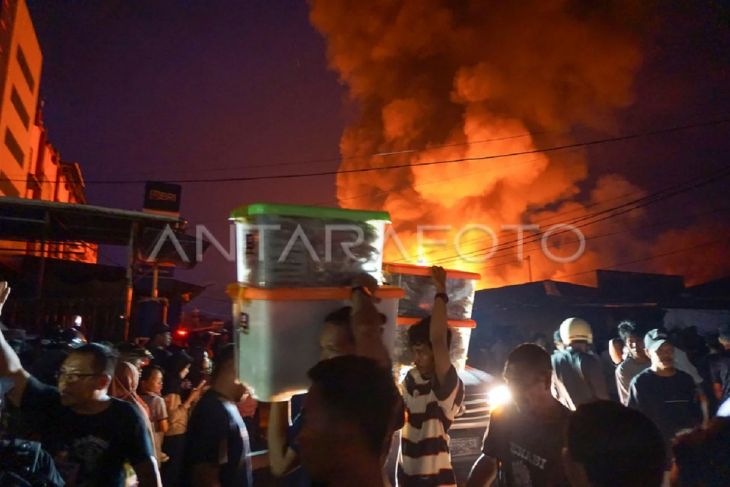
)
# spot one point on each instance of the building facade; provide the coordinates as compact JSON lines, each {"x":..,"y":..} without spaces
{"x":20,"y":73}
{"x":30,"y":167}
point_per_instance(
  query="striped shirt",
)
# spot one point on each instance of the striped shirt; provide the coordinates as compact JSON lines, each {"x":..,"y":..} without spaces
{"x":430,"y":411}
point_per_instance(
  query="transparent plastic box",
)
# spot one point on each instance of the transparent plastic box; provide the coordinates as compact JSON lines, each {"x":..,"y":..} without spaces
{"x":276,"y":333}
{"x":307,"y":246}
{"x":420,"y":291}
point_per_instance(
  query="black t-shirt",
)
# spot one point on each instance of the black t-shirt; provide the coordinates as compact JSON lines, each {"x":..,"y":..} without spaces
{"x":527,"y":449}
{"x":89,"y":449}
{"x":216,"y":434}
{"x":671,"y":402}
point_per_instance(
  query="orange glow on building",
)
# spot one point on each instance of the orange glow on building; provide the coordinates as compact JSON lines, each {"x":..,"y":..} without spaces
{"x":30,"y":167}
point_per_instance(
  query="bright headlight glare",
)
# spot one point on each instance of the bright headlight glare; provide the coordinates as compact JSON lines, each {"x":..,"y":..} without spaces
{"x":499,"y":396}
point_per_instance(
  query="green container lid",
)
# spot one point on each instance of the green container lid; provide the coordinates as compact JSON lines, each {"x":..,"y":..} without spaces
{"x":245,"y":212}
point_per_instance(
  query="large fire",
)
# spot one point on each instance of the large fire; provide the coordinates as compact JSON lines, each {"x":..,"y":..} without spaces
{"x":438,"y":81}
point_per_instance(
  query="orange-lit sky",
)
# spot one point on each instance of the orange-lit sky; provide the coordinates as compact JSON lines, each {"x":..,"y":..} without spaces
{"x":185,"y":89}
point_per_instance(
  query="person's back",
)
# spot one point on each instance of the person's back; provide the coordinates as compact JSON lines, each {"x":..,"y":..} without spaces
{"x":611,"y":445}
{"x":351,"y":409}
{"x":720,"y":371}
{"x":214,"y":424}
{"x":217,"y":450}
{"x":577,"y":369}
{"x":581,"y":374}
{"x":720,"y":366}
{"x":701,"y":456}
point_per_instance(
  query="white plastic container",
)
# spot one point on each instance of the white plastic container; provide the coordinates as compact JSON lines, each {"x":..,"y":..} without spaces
{"x":416,"y":282}
{"x":307,"y":246}
{"x":276,"y":333}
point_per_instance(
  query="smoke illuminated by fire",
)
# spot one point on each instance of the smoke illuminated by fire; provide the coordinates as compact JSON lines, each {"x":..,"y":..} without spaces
{"x":438,"y":81}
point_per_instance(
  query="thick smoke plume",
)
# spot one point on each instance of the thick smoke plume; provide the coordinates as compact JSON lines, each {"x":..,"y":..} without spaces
{"x":436,"y":80}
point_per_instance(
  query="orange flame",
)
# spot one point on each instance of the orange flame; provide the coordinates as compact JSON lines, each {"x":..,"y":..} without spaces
{"x":440,"y":83}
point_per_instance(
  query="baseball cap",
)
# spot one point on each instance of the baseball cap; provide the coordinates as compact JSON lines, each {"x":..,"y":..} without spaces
{"x":654,"y":339}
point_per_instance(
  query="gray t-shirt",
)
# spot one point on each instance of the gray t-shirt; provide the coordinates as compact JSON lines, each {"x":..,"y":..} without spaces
{"x":625,"y":372}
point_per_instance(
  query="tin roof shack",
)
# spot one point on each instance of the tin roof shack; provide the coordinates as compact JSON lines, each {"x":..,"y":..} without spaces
{"x":510,"y":315}
{"x":705,"y":306}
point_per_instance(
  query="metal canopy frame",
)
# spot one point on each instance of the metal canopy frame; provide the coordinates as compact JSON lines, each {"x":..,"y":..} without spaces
{"x":28,"y":220}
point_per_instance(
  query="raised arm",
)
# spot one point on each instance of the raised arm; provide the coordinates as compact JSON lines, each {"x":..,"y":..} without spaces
{"x":439,"y":326}
{"x":367,"y":323}
{"x":10,"y":365}
{"x":282,"y":458}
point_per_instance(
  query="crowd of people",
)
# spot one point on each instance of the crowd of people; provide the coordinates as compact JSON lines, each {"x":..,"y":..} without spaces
{"x":94,"y":414}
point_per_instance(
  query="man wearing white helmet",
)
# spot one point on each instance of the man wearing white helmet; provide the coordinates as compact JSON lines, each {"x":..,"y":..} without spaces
{"x":578,"y":371}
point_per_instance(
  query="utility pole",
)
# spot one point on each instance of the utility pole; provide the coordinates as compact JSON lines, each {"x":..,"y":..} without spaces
{"x":529,"y":267}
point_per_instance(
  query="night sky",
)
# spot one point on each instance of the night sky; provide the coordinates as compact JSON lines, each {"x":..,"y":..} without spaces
{"x":185,"y":89}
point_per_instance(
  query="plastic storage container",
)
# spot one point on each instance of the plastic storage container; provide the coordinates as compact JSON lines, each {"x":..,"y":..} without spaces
{"x":416,"y":282}
{"x":460,"y":337}
{"x":276,"y":332}
{"x":307,"y":246}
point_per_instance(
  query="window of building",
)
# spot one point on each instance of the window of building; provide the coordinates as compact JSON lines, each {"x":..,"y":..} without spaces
{"x":19,"y":107}
{"x":23,"y":62}
{"x":12,"y":144}
{"x":7,"y":186}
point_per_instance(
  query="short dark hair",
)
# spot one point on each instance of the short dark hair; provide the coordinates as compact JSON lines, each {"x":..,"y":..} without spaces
{"x":104,"y":358}
{"x":147,"y":372}
{"x":420,"y":333}
{"x":616,"y":445}
{"x":224,"y":355}
{"x":532,"y":359}
{"x":628,"y":328}
{"x":358,"y":390}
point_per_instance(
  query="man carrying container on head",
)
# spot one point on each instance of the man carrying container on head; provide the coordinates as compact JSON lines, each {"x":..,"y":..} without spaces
{"x":433,"y":396}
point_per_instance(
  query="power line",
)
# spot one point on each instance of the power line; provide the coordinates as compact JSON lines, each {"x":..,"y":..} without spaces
{"x":341,"y":159}
{"x":588,"y":143}
{"x":617,"y":211}
{"x":609,"y":213}
{"x":407,"y":185}
{"x":611,"y":234}
{"x":411,"y":150}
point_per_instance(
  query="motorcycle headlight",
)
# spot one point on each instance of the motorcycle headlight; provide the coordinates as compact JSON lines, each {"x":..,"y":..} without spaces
{"x":499,"y":396}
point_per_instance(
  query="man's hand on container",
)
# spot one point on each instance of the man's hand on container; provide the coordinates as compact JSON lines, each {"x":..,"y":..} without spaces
{"x":438,"y":276}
